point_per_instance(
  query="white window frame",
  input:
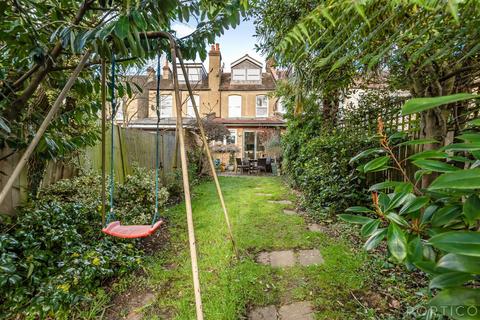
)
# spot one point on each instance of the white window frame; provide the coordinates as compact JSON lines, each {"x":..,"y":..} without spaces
{"x":234,"y":107}
{"x":233,"y":134}
{"x":166,"y":106}
{"x":194,"y":74}
{"x":281,"y":105}
{"x":262,"y":106}
{"x":253,"y":74}
{"x":190,"y":110}
{"x":239,"y":74}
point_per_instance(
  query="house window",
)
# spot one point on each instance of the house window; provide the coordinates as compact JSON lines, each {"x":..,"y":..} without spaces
{"x":253,"y":74}
{"x":190,"y":110}
{"x":281,"y":106}
{"x":239,"y":74}
{"x":119,"y":112}
{"x":194,"y":75}
{"x":166,"y":106}
{"x":234,"y":106}
{"x":262,"y":106}
{"x":232,"y":138}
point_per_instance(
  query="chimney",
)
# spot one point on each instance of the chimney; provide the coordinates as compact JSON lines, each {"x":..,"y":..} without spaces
{"x":151,"y":74}
{"x":214,"y":66}
{"x":167,"y":73}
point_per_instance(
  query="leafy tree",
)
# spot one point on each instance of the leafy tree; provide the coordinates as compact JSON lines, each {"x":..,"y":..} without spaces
{"x":41,"y":41}
{"x":429,"y":48}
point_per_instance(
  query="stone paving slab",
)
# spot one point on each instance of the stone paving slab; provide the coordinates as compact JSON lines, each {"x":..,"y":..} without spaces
{"x":264,"y":194}
{"x":310,"y":257}
{"x":302,"y":310}
{"x":263,"y":313}
{"x":281,"y":201}
{"x":289,"y":258}
{"x":290,"y":212}
{"x":315,"y":227}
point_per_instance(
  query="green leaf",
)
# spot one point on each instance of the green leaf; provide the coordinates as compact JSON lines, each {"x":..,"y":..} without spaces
{"x":415,"y":249}
{"x":358,"y":209}
{"x":385,"y":185}
{"x":4,"y":126}
{"x":446,"y":215}
{"x":393,"y":217}
{"x":460,"y":263}
{"x":376,"y":164}
{"x":417,"y":142}
{"x":122,"y":27}
{"x":422,"y":104}
{"x":375,"y":239}
{"x":462,"y":147}
{"x":459,"y":242}
{"x":369,"y":228}
{"x":471,"y":208}
{"x":414,"y":204}
{"x":448,"y":302}
{"x":434,"y":154}
{"x":449,"y":280}
{"x":366,"y":153}
{"x":354,"y":218}
{"x":399,"y":199}
{"x":397,"y":242}
{"x":434,"y":165}
{"x":462,"y":179}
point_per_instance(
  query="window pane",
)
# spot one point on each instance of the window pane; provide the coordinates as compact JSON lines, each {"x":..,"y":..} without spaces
{"x":262,"y":106}
{"x":232,"y":138}
{"x":238,"y":74}
{"x":234,"y":106}
{"x":166,"y":104}
{"x":190,"y":111}
{"x":253,"y":74}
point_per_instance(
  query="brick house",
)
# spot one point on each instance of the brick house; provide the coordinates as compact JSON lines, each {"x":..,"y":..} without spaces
{"x":242,"y":100}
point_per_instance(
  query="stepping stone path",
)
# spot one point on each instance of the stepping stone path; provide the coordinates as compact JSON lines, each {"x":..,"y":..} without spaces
{"x":315,"y":227}
{"x":302,"y":310}
{"x":289,"y":258}
{"x":280,"y":201}
{"x":290,"y":212}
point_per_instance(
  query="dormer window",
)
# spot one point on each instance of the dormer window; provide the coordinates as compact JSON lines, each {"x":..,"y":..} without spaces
{"x":246,"y":70}
{"x":253,"y":74}
{"x":195,"y":74}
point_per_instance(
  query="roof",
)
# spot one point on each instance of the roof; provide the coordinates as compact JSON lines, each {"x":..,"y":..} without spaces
{"x":268,"y":84}
{"x":246,"y":57}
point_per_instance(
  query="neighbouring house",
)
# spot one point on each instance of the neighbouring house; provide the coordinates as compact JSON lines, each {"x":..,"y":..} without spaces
{"x":242,"y":100}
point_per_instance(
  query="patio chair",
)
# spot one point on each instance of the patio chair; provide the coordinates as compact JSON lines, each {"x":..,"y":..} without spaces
{"x":261,"y":165}
{"x":241,"y":165}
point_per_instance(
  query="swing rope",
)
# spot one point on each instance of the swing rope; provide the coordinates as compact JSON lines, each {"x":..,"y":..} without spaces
{"x":157,"y":139}
{"x":111,"y":214}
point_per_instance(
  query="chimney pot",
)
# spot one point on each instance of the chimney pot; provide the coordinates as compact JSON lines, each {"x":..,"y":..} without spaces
{"x":217,"y":47}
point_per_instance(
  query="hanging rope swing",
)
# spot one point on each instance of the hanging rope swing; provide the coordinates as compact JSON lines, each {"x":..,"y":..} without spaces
{"x":114,"y":227}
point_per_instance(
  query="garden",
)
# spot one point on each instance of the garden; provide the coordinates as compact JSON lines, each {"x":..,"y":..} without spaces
{"x":375,"y":213}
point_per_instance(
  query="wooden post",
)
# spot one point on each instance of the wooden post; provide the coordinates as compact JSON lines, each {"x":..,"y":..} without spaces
{"x":104,"y":119}
{"x":43,"y":127}
{"x":207,"y":150}
{"x":186,"y":186}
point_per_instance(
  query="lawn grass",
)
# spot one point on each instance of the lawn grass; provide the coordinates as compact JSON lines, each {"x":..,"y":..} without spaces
{"x":231,"y":287}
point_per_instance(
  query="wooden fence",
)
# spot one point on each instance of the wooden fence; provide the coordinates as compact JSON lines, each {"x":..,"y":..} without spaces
{"x":131,"y":147}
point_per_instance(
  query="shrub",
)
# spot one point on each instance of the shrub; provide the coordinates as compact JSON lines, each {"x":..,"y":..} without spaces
{"x":53,"y":256}
{"x":321,"y":170}
{"x":434,"y":228}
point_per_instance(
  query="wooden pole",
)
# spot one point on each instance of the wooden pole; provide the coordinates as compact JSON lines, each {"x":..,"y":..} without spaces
{"x":207,"y":150}
{"x":186,"y":186}
{"x":43,"y":127}
{"x":104,"y":118}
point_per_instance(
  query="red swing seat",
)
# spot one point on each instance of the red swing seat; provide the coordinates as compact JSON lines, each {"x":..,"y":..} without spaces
{"x":131,"y":231}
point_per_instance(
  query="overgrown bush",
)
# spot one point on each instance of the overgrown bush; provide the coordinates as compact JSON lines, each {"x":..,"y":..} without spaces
{"x":53,"y":254}
{"x":134,"y":201}
{"x":434,"y":227}
{"x":321,"y":170}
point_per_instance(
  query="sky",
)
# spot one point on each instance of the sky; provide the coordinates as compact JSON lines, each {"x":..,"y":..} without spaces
{"x":234,"y":43}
